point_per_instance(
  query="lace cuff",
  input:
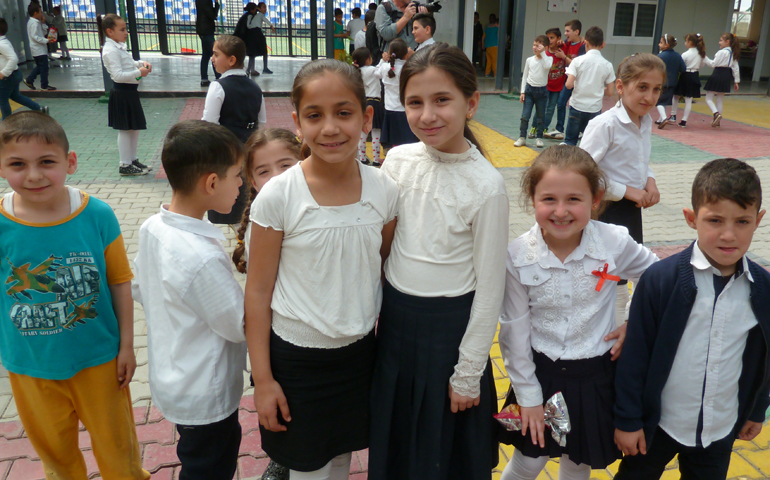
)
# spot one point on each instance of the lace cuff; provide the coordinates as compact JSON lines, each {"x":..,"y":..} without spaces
{"x":467,"y":377}
{"x":529,"y":396}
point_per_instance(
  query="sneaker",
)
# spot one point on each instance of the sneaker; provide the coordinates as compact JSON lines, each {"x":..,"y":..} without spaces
{"x":550,"y":133}
{"x":29,"y":84}
{"x":365,"y":160}
{"x":131,"y":171}
{"x":376,"y":164}
{"x":520,"y":142}
{"x":672,"y":119}
{"x":532,"y":133}
{"x":539,"y":143}
{"x":658,"y":122}
{"x":205,"y":83}
{"x":557,"y":135}
{"x":50,"y":88}
{"x":139,"y":164}
{"x":254,"y":73}
{"x":683,"y":123}
{"x":267,"y":70}
{"x":45,"y":110}
{"x":275,"y":471}
{"x":662,"y":123}
{"x":717,"y":119}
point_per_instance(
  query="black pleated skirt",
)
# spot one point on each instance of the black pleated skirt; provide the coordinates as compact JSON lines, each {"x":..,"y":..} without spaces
{"x":236,"y":214}
{"x":395,"y":129}
{"x":688,"y":85}
{"x":124,"y":110}
{"x":721,"y":80}
{"x":256,"y":44}
{"x":666,"y":96}
{"x":379,"y":111}
{"x":328,"y":392}
{"x":415,"y":435}
{"x":588,"y":386}
{"x":627,"y":214}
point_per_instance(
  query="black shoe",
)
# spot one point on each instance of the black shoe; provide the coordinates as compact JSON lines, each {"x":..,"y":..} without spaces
{"x":275,"y":471}
{"x":139,"y":164}
{"x":205,"y":83}
{"x":366,"y":161}
{"x":50,"y":88}
{"x":266,"y":70}
{"x":45,"y":110}
{"x":254,"y":73}
{"x":131,"y":171}
{"x":683,"y":123}
{"x":29,"y":84}
{"x":376,"y":164}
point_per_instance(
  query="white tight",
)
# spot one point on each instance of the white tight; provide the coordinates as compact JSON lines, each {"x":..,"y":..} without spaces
{"x":710,"y":101}
{"x":337,"y":469}
{"x":376,"y":144}
{"x":687,"y":106}
{"x":362,"y":147}
{"x":127,"y":143}
{"x":527,"y":468}
{"x":662,"y":112}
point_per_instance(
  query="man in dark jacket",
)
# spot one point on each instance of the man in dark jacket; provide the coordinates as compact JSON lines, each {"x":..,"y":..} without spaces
{"x":205,"y":24}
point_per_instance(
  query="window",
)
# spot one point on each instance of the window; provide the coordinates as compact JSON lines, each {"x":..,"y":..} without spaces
{"x":742,"y":17}
{"x":632,"y":22}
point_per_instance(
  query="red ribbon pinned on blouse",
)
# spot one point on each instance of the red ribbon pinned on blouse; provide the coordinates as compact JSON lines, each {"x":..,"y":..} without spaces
{"x":603,"y":275}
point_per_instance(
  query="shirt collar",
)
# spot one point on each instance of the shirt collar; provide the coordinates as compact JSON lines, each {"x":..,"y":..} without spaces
{"x":120,"y":45}
{"x":200,"y":227}
{"x":622,"y":115}
{"x":535,"y":249}
{"x":699,"y":261}
{"x":594,"y":51}
{"x":234,"y":71}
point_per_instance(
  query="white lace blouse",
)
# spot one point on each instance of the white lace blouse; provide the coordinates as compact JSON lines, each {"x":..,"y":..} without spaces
{"x":554,"y":307}
{"x":450,"y":240}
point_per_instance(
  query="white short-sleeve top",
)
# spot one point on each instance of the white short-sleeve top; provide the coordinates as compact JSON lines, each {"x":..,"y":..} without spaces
{"x":328,"y":291}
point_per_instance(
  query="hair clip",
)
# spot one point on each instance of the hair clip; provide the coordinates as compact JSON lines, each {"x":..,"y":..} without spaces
{"x":240,"y":242}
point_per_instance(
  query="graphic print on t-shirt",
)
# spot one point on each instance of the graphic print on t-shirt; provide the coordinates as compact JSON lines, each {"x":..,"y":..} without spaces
{"x":59,"y":293}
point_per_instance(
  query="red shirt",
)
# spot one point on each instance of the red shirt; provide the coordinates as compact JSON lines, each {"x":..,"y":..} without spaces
{"x":556,"y":76}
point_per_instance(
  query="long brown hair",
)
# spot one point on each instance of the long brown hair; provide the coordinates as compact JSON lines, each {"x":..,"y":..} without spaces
{"x":452,"y":61}
{"x":232,"y":46}
{"x":697,"y":40}
{"x":109,"y":21}
{"x":634,"y":66}
{"x":257,"y":140}
{"x":398,"y":50}
{"x":734,"y":44}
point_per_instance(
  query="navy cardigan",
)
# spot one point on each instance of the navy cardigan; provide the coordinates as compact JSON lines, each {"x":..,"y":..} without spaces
{"x":661,"y":306}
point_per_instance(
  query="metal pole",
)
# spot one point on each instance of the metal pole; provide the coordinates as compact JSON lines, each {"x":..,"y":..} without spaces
{"x":160,"y":9}
{"x":313,"y":29}
{"x":131,"y":12}
{"x":517,"y":45}
{"x":658,"y":31}
{"x":461,"y":25}
{"x":329,"y":15}
{"x":288,"y":28}
{"x":502,"y":41}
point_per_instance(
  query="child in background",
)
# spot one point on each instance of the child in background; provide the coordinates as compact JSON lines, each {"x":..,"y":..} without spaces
{"x":362,"y":59}
{"x":689,"y":82}
{"x":61,"y":27}
{"x":490,"y":40}
{"x":355,"y":25}
{"x":433,"y":391}
{"x":423,"y":29}
{"x":339,"y":36}
{"x":10,"y":77}
{"x":619,"y":141}
{"x":726,"y":75}
{"x":694,"y":374}
{"x":125,"y":112}
{"x":564,"y":267}
{"x":591,"y":77}
{"x":235,"y":102}
{"x":67,"y":339}
{"x":534,"y":90}
{"x":250,"y":30}
{"x":395,"y":127}
{"x":37,"y":32}
{"x":194,"y":305}
{"x":674,"y":66}
{"x":556,"y":78}
{"x":573,"y":48}
{"x":312,"y":349}
{"x":360,"y":40}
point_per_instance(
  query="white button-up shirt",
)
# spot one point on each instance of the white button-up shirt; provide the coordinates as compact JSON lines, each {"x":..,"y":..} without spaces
{"x":709,"y":359}
{"x":8,"y":59}
{"x":592,"y":74}
{"x":392,"y":99}
{"x":38,"y":43}
{"x":554,"y":307}
{"x":194,"y":307}
{"x":258,"y":20}
{"x":692,"y":59}
{"x":215,"y":97}
{"x":119,"y":63}
{"x":724,"y":58}
{"x":426,"y":43}
{"x":621,"y":149}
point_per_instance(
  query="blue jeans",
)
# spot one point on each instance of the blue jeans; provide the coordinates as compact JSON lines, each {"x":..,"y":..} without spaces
{"x":577,"y":124}
{"x":41,"y":67}
{"x":561,"y":108}
{"x":9,"y":90}
{"x":553,"y":98}
{"x":207,"y":47}
{"x":533,"y":97}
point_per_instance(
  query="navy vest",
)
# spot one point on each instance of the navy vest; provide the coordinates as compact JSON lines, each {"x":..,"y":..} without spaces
{"x":240,"y":110}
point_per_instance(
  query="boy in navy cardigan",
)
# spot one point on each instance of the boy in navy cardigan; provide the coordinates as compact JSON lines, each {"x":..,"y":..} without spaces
{"x":694,"y":374}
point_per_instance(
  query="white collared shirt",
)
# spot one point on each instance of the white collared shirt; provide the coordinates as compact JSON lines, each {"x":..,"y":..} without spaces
{"x":8,"y":58}
{"x":724,"y":58}
{"x":536,"y":70}
{"x":119,"y":63}
{"x":392,"y":99}
{"x":215,"y":97}
{"x":38,"y":43}
{"x":194,"y":308}
{"x":258,"y":20}
{"x":692,"y":59}
{"x":554,"y":307}
{"x":426,"y":43}
{"x":592,"y":74}
{"x":621,"y":149}
{"x":372,"y":82}
{"x":709,"y":359}
{"x":360,"y":39}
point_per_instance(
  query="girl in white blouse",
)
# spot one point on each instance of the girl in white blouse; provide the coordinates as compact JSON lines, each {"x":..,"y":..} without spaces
{"x":726,"y":75}
{"x":433,"y":392}
{"x":395,"y":128}
{"x":688,"y":85}
{"x":320,"y":231}
{"x":362,"y":59}
{"x":558,"y":329}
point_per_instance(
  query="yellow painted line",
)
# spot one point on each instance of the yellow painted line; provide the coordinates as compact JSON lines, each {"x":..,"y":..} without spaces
{"x":303,"y":50}
{"x":500,"y":149}
{"x":750,"y":110}
{"x":153,"y":47}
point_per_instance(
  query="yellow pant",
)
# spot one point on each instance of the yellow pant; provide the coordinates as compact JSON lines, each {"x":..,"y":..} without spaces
{"x":491,"y":60}
{"x":339,"y":55}
{"x":50,"y":410}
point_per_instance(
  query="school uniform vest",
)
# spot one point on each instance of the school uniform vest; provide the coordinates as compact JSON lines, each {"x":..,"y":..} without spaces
{"x":240,"y":109}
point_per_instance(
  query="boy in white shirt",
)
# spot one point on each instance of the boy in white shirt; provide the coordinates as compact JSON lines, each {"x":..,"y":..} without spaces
{"x":591,"y":76}
{"x":355,"y":25}
{"x":193,"y":304}
{"x":38,"y":44}
{"x":423,"y":29}
{"x":534,"y":90}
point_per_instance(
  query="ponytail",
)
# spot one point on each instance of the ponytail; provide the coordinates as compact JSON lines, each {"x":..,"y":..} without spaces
{"x":104,"y":23}
{"x":734,"y":45}
{"x":398,"y":49}
{"x":240,"y":249}
{"x":697,"y":40}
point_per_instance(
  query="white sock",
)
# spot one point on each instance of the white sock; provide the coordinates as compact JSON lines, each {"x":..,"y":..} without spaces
{"x":124,"y":147}
{"x":376,"y":144}
{"x":710,"y":102}
{"x":569,"y":470}
{"x":687,"y":108}
{"x":521,"y":467}
{"x":661,"y":112}
{"x":674,"y":105}
{"x":362,"y":147}
{"x":337,"y":469}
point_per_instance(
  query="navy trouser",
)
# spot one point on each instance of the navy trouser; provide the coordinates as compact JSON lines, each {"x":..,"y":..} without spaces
{"x":577,"y":124}
{"x":561,"y":108}
{"x":209,"y":452}
{"x":9,"y":90}
{"x":41,"y":67}
{"x":207,"y":45}
{"x":550,"y":108}
{"x":536,"y":97}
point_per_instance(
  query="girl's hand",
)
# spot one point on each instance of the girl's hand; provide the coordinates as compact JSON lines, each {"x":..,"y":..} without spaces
{"x":521,"y":98}
{"x":750,"y":430}
{"x":631,"y":443}
{"x":736,"y":87}
{"x":533,"y":419}
{"x":148,"y":66}
{"x":386,"y":56}
{"x":639,"y":197}
{"x":268,"y":399}
{"x":126,"y":362}
{"x":143,"y":71}
{"x":620,"y":334}
{"x":652,"y":191}
{"x":461,"y":403}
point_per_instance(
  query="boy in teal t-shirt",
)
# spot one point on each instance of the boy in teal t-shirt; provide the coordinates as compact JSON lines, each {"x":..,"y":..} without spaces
{"x":490,"y":45}
{"x":339,"y":36}
{"x":66,"y":333}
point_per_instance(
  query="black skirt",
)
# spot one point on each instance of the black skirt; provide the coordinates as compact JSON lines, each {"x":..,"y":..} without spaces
{"x":256,"y":44}
{"x":627,"y":214}
{"x":588,"y":386}
{"x":124,"y":110}
{"x":62,"y":38}
{"x":395,"y":129}
{"x":688,"y":85}
{"x":721,"y":80}
{"x":415,"y":435}
{"x":379,"y":111}
{"x":328,"y":391}
{"x":666,"y":96}
{"x":236,"y":214}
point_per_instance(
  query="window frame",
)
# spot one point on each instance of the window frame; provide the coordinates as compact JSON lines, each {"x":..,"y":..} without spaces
{"x":737,"y":11}
{"x":609,"y":36}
